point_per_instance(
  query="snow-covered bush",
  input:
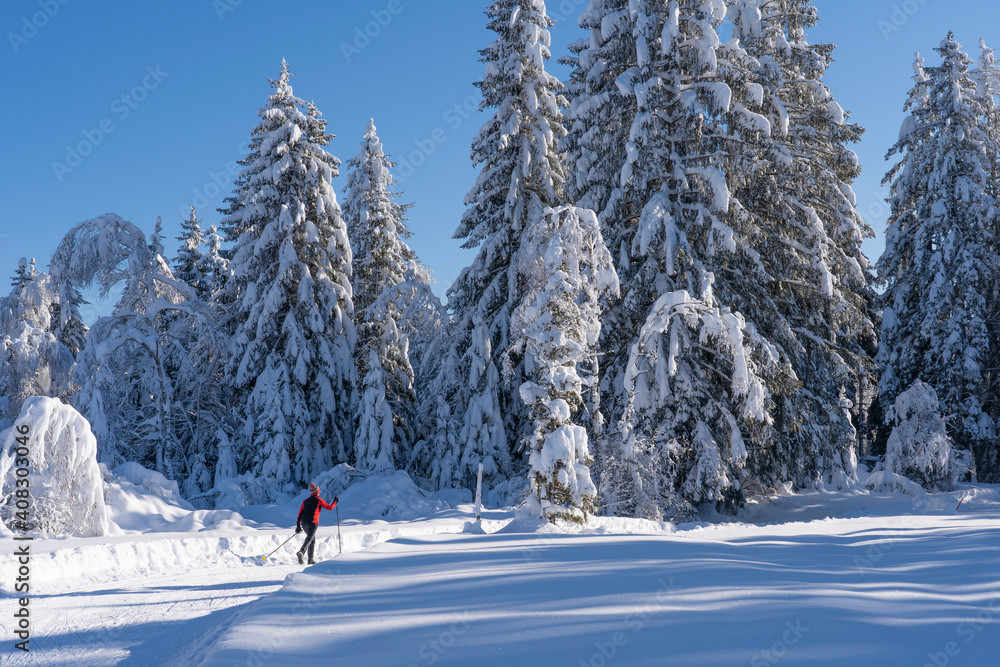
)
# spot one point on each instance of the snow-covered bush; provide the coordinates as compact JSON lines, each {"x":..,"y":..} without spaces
{"x":66,"y":490}
{"x":919,"y":447}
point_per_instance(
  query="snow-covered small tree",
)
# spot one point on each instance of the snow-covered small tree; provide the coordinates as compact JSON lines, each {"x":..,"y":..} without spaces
{"x":187,"y":264}
{"x":67,"y":489}
{"x":33,"y":361}
{"x":940,"y":260}
{"x":156,"y":239}
{"x":567,"y":267}
{"x":25,"y":273}
{"x":375,"y":440}
{"x":288,"y":302}
{"x":225,"y":466}
{"x":919,"y":447}
{"x":213,"y":267}
{"x":521,"y":172}
{"x":435,"y":455}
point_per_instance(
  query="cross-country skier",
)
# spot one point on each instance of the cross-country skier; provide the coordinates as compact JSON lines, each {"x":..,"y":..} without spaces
{"x":308,"y":520}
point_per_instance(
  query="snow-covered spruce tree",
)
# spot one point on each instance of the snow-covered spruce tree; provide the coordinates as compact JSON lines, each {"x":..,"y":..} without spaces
{"x":33,"y":361}
{"x":566,"y":266}
{"x":441,"y":390}
{"x":380,"y":258}
{"x":600,"y":112}
{"x":188,"y":261}
{"x":375,"y":439}
{"x":59,"y":300}
{"x":213,"y":267}
{"x":693,"y":391}
{"x":197,"y":425}
{"x":521,"y":173}
{"x":156,"y":240}
{"x":940,"y":260}
{"x":810,"y":296}
{"x":600,"y":117}
{"x":288,"y":301}
{"x":24,"y":274}
{"x":987,"y":77}
{"x":919,"y":447}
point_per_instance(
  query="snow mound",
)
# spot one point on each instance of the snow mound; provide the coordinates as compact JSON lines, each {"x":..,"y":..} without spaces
{"x":334,"y":481}
{"x":152,"y":482}
{"x":54,"y":445}
{"x":144,"y":501}
{"x":395,"y":497}
{"x":526,"y":523}
{"x":889,"y":482}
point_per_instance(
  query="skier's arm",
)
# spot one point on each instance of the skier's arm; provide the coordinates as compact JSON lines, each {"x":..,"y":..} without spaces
{"x":327,"y":505}
{"x":298,"y":519}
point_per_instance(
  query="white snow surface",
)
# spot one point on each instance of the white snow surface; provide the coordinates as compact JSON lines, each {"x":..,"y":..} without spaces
{"x":817,"y":578}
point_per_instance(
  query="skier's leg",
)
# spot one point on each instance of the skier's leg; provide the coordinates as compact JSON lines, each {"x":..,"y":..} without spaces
{"x":310,"y":542}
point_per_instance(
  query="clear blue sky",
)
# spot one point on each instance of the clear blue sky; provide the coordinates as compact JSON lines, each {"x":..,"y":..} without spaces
{"x":194,"y":72}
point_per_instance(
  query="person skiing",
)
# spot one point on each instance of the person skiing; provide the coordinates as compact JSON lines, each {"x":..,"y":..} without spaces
{"x":308,"y":520}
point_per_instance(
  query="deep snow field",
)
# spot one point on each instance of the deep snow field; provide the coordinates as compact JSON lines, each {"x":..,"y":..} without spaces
{"x":888,"y":580}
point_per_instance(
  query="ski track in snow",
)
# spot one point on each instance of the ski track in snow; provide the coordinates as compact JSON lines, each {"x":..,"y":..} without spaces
{"x":163,"y":599}
{"x":875,"y":590}
{"x":156,"y":620}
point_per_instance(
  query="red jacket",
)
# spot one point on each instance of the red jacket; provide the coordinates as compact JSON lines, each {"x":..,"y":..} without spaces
{"x":309,"y":512}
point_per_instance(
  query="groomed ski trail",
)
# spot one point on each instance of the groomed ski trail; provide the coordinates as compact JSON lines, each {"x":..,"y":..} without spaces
{"x":164,"y":599}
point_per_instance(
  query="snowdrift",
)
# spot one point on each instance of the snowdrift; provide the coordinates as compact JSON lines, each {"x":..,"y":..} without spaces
{"x":53,"y":445}
{"x":152,"y":530}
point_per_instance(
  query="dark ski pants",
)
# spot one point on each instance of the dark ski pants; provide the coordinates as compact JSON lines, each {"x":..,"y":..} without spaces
{"x":310,"y":543}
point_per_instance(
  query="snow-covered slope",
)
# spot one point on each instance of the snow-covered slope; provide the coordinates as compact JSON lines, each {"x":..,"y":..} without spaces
{"x":890,"y":580}
{"x":879,"y":589}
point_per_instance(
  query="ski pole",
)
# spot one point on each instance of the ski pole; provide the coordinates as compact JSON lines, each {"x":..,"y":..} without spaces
{"x":340,"y":540}
{"x":279,"y":546}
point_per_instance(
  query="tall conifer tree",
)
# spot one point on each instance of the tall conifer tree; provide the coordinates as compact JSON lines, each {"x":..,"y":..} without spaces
{"x":290,"y":301}
{"x":521,"y":172}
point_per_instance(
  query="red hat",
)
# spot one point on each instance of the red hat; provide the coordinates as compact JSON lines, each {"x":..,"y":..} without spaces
{"x":313,"y":488}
